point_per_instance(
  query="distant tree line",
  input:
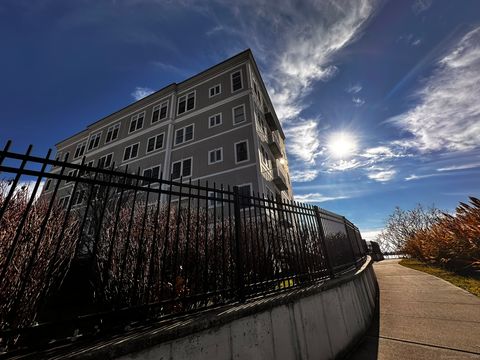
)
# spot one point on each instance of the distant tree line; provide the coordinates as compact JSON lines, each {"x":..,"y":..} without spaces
{"x":435,"y":236}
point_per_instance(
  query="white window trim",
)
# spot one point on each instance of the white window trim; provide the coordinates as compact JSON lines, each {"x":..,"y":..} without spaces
{"x":213,"y":87}
{"x":216,"y":203}
{"x":235,"y":152}
{"x":159,"y":108}
{"x":184,"y":132}
{"x":135,"y":117}
{"x":130,"y":158}
{"x":221,"y":156}
{"x":181,"y":168}
{"x":212,"y":116}
{"x":108,"y":130}
{"x":251,"y":194}
{"x":154,"y":137}
{"x":244,"y":115}
{"x":150,"y":168}
{"x":186,"y":98}
{"x":84,"y":142}
{"x":104,"y":156}
{"x":231,"y":80}
{"x":97,"y":134}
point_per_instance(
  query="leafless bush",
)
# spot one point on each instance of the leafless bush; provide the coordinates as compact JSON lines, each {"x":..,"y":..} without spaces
{"x":33,"y":257}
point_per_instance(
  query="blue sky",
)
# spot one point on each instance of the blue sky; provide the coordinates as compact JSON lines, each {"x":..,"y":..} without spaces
{"x":380,"y":100}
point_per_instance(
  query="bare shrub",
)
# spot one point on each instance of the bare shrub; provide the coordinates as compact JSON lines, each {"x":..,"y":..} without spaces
{"x":34,"y":257}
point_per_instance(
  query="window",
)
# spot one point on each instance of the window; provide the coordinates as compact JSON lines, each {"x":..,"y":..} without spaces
{"x":159,"y":112}
{"x":105,"y":161}
{"x":151,"y":173}
{"x":155,"y":143}
{"x":63,"y":202}
{"x":94,"y":141}
{"x":238,"y":114}
{"x":215,"y":120}
{"x":241,"y":151}
{"x":184,"y":134}
{"x":80,"y":150}
{"x":186,"y":103}
{"x":237,"y":81}
{"x":77,"y":198}
{"x":112,"y":133}
{"x":215,"y":90}
{"x":48,"y":184}
{"x":136,"y":123}
{"x":182,"y":168}
{"x":58,"y":157}
{"x":66,"y":156}
{"x":215,"y":156}
{"x":269,"y":194}
{"x":130,"y":152}
{"x":245,"y":192}
{"x":72,"y":173}
{"x":214,"y":199}
{"x":264,"y":157}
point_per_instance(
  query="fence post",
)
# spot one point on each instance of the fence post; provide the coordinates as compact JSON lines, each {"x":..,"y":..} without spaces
{"x":349,"y":240}
{"x":323,"y":242}
{"x":240,"y":283}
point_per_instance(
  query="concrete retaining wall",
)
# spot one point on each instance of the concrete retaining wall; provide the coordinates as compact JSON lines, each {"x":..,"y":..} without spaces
{"x":323,"y":323}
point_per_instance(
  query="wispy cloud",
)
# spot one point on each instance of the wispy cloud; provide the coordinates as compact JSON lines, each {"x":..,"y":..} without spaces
{"x":306,"y":43}
{"x":447,"y":114}
{"x":381,"y":174}
{"x":358,"y":101}
{"x":460,"y":167}
{"x":303,"y":140}
{"x":303,"y":175}
{"x":317,"y":198}
{"x":354,"y":88}
{"x":418,"y":177}
{"x":141,"y":92}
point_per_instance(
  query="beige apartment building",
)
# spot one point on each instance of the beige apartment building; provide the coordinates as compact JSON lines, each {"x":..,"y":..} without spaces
{"x":217,"y":126}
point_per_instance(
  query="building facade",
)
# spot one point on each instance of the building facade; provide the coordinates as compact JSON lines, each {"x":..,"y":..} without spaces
{"x":217,"y":126}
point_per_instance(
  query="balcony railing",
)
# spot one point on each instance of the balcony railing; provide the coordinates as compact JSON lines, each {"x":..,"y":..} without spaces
{"x":274,"y":142}
{"x":280,"y":177}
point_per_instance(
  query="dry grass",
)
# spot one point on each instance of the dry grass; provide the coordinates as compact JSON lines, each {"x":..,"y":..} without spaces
{"x":452,"y":242}
{"x":469,"y":283}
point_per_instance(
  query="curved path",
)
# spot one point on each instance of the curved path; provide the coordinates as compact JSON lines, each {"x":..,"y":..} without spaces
{"x":421,"y":317}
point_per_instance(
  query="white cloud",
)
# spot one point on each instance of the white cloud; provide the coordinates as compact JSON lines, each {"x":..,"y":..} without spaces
{"x":303,"y":175}
{"x":381,"y":174}
{"x":355,"y":88}
{"x":370,"y":235}
{"x":460,"y":167}
{"x":303,"y":140}
{"x":447,"y":115}
{"x":418,"y":177}
{"x":343,"y":165}
{"x":305,"y":44}
{"x":358,"y":101}
{"x":317,"y":197}
{"x":141,"y":92}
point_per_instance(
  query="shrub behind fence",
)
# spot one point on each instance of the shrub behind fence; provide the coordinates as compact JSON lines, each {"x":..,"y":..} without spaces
{"x":98,"y":249}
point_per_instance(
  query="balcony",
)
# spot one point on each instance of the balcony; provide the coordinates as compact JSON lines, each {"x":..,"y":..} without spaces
{"x":280,"y":177}
{"x":270,"y":121}
{"x":274,"y":143}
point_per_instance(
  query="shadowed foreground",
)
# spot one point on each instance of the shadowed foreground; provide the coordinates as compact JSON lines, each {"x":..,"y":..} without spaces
{"x":421,"y":317}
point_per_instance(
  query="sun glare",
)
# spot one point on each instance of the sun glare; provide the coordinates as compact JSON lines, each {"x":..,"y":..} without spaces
{"x":341,"y":145}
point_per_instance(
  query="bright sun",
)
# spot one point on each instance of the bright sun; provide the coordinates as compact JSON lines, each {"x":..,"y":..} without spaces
{"x":341,"y":145}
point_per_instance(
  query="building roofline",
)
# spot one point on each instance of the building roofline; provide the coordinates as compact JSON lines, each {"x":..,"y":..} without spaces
{"x":247,"y":52}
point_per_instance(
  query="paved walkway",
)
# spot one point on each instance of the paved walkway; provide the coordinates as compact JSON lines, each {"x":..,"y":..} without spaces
{"x":421,"y":317}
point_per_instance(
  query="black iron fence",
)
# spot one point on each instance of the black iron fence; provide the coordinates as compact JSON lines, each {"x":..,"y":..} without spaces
{"x":85,"y":250}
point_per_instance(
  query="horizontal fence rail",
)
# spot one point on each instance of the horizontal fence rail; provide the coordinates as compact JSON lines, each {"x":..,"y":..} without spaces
{"x":87,"y":250}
